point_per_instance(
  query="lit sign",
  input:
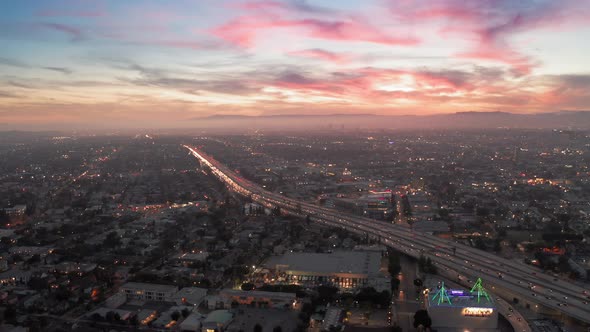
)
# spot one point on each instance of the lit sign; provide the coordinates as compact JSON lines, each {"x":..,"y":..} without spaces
{"x":477,"y":312}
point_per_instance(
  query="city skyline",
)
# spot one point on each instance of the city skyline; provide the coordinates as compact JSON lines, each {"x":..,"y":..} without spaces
{"x":69,"y":64}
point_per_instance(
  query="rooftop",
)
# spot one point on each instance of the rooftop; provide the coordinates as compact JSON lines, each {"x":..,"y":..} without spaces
{"x":461,"y":299}
{"x":353,"y":262}
{"x":219,"y":316}
{"x":147,"y":286}
{"x":254,"y":293}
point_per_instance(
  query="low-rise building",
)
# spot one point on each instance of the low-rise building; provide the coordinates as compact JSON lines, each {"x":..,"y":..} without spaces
{"x":190,"y":296}
{"x":146,"y":291}
{"x":192,"y":323}
{"x":217,"y":321}
{"x":257,"y":299}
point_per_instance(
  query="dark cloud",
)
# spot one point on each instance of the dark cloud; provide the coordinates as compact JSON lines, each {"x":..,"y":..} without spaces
{"x":20,"y":85}
{"x":305,"y":6}
{"x":294,"y":77}
{"x":74,"y":33}
{"x":13,"y":63}
{"x":70,"y":13}
{"x":62,"y":70}
{"x":576,"y":81}
{"x":237,"y":84}
{"x":4,"y":94}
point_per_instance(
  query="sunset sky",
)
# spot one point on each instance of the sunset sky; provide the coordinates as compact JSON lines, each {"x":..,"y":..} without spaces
{"x":165,"y":63}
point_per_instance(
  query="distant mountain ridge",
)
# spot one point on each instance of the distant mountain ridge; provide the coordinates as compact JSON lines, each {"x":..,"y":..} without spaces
{"x":241,"y":116}
{"x":459,"y":120}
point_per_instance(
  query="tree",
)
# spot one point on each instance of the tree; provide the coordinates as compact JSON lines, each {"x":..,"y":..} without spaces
{"x":426,"y":265}
{"x":421,"y":318}
{"x":247,"y":286}
{"x":421,"y":262}
{"x":430,"y":268}
{"x":418,"y":282}
{"x":112,"y":240}
{"x":482,"y":211}
{"x":175,"y":315}
{"x":111,"y":316}
{"x":326,"y":294}
{"x":5,"y":240}
{"x":394,"y":265}
{"x":257,"y":328}
{"x":96,"y":317}
{"x":276,"y":211}
{"x":34,"y":259}
{"x":369,"y":294}
{"x":444,"y":213}
{"x":10,"y":314}
{"x":479,"y":243}
{"x":497,"y":245}
{"x":185,"y":312}
{"x":4,"y":218}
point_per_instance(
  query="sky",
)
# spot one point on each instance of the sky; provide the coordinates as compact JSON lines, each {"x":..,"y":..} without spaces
{"x":76,"y":63}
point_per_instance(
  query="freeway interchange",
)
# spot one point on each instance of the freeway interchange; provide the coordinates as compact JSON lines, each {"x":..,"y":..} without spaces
{"x":521,"y":281}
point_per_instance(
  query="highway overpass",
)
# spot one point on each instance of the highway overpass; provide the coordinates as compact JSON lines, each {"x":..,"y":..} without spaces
{"x":523,"y":282}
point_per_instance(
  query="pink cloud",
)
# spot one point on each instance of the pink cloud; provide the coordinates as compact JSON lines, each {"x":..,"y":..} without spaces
{"x":264,"y":16}
{"x":320,"y":54}
{"x":490,"y":24}
{"x":243,"y":31}
{"x":363,"y":83}
{"x":521,"y":64}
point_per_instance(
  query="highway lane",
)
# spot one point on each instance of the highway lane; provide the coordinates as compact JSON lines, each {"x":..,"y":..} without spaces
{"x":463,"y":252}
{"x":521,"y":271}
{"x":519,"y":279}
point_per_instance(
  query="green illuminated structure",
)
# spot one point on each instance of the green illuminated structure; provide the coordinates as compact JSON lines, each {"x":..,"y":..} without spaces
{"x":478,"y":287}
{"x":442,"y":295}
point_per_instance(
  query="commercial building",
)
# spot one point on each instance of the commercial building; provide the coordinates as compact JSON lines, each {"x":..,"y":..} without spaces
{"x":344,"y":269}
{"x":453,"y":310}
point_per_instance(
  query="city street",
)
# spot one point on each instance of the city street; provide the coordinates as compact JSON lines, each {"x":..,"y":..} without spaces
{"x":408,"y":301}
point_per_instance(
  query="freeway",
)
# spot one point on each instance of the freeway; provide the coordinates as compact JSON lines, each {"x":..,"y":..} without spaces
{"x":525,"y":282}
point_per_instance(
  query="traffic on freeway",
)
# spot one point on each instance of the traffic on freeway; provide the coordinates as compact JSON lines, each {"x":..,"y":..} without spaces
{"x":524,"y":281}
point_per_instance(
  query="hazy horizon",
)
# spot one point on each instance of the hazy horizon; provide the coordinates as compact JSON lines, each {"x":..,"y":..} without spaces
{"x":300,"y":123}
